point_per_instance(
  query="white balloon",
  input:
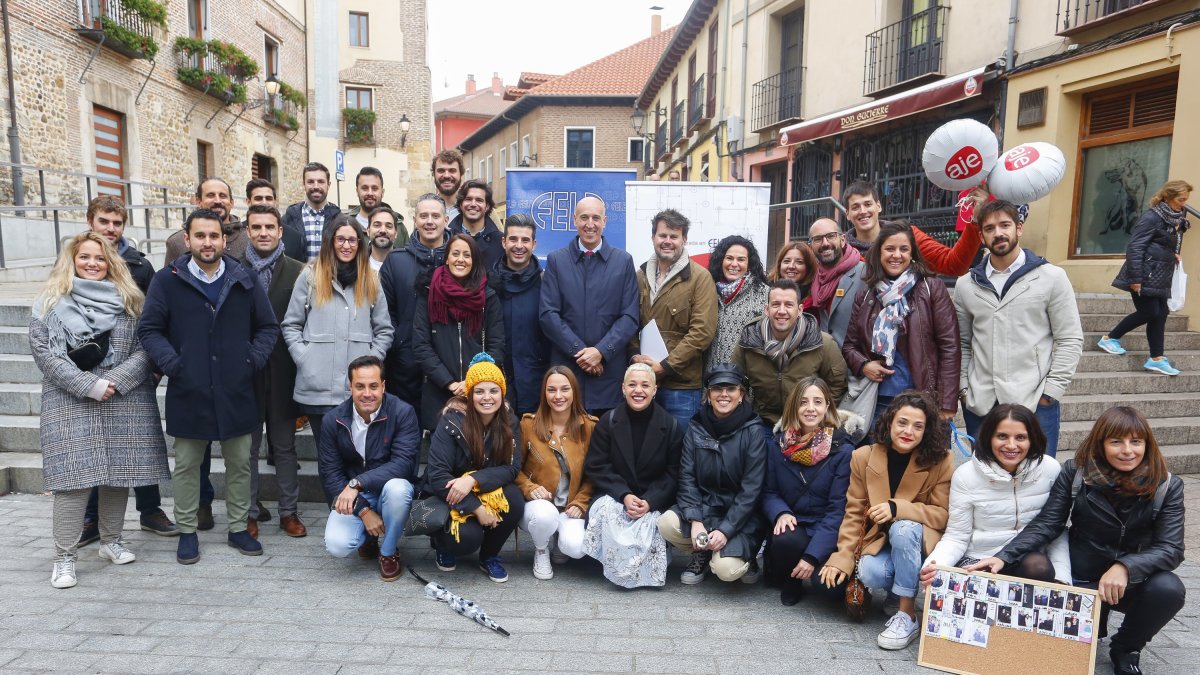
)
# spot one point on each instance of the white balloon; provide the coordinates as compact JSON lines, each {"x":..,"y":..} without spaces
{"x":1027,"y":172}
{"x":960,"y":154}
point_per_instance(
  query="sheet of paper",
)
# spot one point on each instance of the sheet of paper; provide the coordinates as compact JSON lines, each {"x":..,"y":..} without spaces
{"x":652,"y":342}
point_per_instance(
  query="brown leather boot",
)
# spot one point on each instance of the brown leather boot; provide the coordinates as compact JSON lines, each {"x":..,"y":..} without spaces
{"x":292,"y":526}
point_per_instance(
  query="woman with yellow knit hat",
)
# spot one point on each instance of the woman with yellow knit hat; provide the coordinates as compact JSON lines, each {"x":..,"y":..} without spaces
{"x":473,"y":464}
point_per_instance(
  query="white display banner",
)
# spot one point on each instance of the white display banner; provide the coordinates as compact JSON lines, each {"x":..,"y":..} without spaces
{"x":716,"y":210}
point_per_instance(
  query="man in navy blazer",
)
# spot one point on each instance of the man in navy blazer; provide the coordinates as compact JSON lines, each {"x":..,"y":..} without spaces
{"x":367,"y":458}
{"x":589,"y":308}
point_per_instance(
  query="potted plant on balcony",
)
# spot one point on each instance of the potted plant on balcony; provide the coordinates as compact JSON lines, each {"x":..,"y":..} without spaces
{"x":223,"y":79}
{"x":130,"y":31}
{"x":360,"y":125}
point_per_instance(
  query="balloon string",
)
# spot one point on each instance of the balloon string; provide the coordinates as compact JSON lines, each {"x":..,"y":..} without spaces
{"x":958,"y":436}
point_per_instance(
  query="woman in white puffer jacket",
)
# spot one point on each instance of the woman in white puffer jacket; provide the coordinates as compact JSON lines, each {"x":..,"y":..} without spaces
{"x":997,"y":493}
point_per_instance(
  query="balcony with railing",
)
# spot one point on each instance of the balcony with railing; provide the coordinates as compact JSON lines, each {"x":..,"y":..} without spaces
{"x":208,"y":74}
{"x":905,"y":53}
{"x":1072,"y":15}
{"x":776,"y":100}
{"x":696,"y":114}
{"x":282,"y":113}
{"x":678,"y":117}
{"x":126,"y":28}
{"x":660,"y":140}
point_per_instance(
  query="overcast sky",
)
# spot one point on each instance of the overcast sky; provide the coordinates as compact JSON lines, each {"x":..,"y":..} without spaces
{"x":545,"y":36}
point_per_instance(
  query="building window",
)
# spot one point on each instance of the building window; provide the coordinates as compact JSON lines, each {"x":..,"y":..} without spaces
{"x":108,"y":132}
{"x":360,"y":33}
{"x":262,"y":166}
{"x":580,"y":148}
{"x":198,"y":19}
{"x":503,"y":161}
{"x":483,"y":170}
{"x":526,"y":155}
{"x":637,"y":149}
{"x":704,"y":166}
{"x":1124,"y":156}
{"x":513,"y":159}
{"x":711,"y":103}
{"x":204,"y":167}
{"x":270,"y":57}
{"x":488,"y":165}
{"x":359,"y":128}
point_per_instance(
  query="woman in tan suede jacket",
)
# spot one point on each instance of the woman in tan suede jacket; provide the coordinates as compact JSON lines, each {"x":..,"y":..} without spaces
{"x":897,"y":504}
{"x":557,"y":493}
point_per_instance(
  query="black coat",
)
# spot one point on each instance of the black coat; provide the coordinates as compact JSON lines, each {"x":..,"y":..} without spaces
{"x":651,"y":472}
{"x":815,"y":495}
{"x":449,"y":458}
{"x":721,"y":481}
{"x":210,"y":353}
{"x":1099,"y":537}
{"x":392,"y":446}
{"x":275,"y":384}
{"x":445,"y":350}
{"x":139,"y":267}
{"x":295,"y":238}
{"x":525,"y":347}
{"x":1150,"y":256}
{"x":398,"y":277}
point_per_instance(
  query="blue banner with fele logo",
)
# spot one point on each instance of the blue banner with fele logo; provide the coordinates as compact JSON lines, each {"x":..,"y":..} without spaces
{"x":549,"y":197}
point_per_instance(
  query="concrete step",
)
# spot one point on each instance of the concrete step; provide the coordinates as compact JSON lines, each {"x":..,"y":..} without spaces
{"x":1103,"y":303}
{"x":1136,"y":341}
{"x":1114,"y":385}
{"x":22,"y":472}
{"x":18,"y":368}
{"x":1153,"y":406}
{"x":16,"y":314}
{"x":20,"y":433}
{"x":1098,"y":361}
{"x":1105,"y":322}
{"x":14,"y":339}
{"x":1167,"y":431}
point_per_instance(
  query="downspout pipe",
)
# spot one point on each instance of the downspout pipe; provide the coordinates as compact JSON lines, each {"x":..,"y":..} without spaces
{"x":1010,"y":61}
{"x":14,"y":133}
{"x":742,"y":81}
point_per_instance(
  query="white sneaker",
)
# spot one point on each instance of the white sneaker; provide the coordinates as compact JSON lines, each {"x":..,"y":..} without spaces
{"x":899,"y":632}
{"x":117,"y":553}
{"x":541,"y":565}
{"x":63,"y":575}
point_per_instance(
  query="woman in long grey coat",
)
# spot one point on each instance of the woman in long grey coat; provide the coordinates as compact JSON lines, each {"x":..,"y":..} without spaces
{"x":100,"y":425}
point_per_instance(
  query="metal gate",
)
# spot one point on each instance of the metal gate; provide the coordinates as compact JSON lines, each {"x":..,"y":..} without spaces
{"x":812,"y":177}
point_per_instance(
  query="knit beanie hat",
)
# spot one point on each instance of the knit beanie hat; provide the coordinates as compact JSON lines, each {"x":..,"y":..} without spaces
{"x":484,"y":369}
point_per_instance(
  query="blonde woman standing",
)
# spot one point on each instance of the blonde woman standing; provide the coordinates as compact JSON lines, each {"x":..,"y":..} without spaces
{"x":99,"y":425}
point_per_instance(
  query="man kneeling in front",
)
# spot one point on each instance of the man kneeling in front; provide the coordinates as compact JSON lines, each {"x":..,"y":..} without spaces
{"x":367,"y":456}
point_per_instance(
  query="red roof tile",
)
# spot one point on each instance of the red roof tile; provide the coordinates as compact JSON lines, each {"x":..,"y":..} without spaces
{"x":483,"y":103}
{"x":621,"y":73}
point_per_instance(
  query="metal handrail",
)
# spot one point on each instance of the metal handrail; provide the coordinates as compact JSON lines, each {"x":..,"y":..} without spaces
{"x":80,"y":174}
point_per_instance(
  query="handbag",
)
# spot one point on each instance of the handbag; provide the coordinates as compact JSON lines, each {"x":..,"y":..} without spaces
{"x":91,"y":353}
{"x":427,"y":516}
{"x":858,"y":598}
{"x":1178,"y":288}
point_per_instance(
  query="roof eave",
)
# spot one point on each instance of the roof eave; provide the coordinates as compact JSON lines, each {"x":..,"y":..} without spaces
{"x":527,"y":103}
{"x":686,"y":33}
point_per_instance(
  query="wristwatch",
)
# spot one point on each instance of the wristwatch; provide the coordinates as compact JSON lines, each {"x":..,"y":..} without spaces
{"x":355,"y":484}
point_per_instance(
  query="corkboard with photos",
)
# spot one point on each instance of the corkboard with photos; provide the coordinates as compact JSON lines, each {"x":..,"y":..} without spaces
{"x":983,"y":624}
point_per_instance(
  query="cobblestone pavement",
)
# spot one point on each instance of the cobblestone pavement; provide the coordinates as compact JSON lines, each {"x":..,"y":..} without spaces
{"x":297,"y":610}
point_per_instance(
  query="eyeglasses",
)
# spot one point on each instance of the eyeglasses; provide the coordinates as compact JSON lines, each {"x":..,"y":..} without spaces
{"x":345,"y":241}
{"x":820,"y":238}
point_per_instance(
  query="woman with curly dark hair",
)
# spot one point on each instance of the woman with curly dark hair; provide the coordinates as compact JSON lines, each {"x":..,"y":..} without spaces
{"x":737,"y":270}
{"x":897,"y":505}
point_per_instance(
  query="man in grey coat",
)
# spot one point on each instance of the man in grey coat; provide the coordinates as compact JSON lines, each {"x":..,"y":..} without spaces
{"x":840,"y":273}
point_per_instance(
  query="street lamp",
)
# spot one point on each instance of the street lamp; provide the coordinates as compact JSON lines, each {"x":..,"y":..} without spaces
{"x":638,"y":120}
{"x":271,"y":87}
{"x":405,"y":125}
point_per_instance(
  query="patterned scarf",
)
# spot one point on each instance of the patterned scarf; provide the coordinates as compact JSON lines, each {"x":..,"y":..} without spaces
{"x":1176,"y":219}
{"x":91,"y":308}
{"x":894,"y":297}
{"x":807,"y":449}
{"x":780,"y":351}
{"x":263,"y":266}
{"x":1117,"y":484}
{"x":824,"y":285}
{"x":728,"y":290}
{"x":450,"y":301}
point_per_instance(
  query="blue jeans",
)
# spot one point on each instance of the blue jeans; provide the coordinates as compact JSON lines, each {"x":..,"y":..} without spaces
{"x":1048,"y":417}
{"x":345,"y":533}
{"x":897,"y":566}
{"x":683,"y":404}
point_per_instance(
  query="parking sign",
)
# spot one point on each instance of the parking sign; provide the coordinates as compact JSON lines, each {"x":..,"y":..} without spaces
{"x":339,"y":164}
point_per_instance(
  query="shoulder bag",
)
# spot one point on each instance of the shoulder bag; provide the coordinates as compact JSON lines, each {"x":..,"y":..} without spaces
{"x":858,"y":598}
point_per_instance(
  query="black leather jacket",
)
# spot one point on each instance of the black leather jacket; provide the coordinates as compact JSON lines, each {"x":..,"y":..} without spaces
{"x":1099,"y":537}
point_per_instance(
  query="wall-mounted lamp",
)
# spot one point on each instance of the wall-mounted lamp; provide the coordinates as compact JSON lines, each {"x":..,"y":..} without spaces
{"x":271,"y":87}
{"x":638,"y":120}
{"x":527,"y":159}
{"x":405,"y":125}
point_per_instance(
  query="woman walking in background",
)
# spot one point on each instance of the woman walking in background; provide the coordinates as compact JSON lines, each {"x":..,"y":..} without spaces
{"x":1150,"y":259}
{"x":737,"y":270}
{"x":99,"y":425}
{"x":337,"y":313}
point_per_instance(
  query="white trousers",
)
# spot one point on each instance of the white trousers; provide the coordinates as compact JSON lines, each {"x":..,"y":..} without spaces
{"x":542,"y":519}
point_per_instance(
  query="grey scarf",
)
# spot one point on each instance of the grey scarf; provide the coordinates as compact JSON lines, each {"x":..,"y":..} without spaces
{"x":263,"y":266}
{"x":780,"y":351}
{"x":91,"y":308}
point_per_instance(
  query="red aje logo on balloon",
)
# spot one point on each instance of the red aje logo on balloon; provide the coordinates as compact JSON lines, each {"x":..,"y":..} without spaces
{"x":965,"y":163}
{"x":1020,"y":157}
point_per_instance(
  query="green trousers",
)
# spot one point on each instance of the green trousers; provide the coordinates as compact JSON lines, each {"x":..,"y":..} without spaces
{"x":189,"y":453}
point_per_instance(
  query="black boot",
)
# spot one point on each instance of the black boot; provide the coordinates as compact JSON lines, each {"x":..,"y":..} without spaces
{"x":1125,"y":662}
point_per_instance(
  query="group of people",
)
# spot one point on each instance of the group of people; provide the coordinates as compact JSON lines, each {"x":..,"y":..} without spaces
{"x":796,"y":426}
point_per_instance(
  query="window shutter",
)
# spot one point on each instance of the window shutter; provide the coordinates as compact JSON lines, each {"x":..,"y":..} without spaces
{"x":1146,"y":106}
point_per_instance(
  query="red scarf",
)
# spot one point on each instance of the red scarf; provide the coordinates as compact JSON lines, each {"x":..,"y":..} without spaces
{"x":824,"y":285}
{"x":449,"y":301}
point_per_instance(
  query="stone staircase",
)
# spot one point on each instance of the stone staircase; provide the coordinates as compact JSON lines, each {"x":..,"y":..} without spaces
{"x":1103,"y":380}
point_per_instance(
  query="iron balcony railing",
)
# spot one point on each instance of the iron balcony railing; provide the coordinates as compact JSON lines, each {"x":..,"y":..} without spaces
{"x":95,"y":14}
{"x":696,"y":104}
{"x":1074,"y":13}
{"x":660,"y":140}
{"x":907,"y":50}
{"x":677,"y":121}
{"x":208,"y":66}
{"x":282,"y":113}
{"x":776,"y":99}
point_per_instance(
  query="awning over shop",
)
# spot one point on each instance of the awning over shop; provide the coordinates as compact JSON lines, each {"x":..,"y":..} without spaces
{"x":925,"y":97}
